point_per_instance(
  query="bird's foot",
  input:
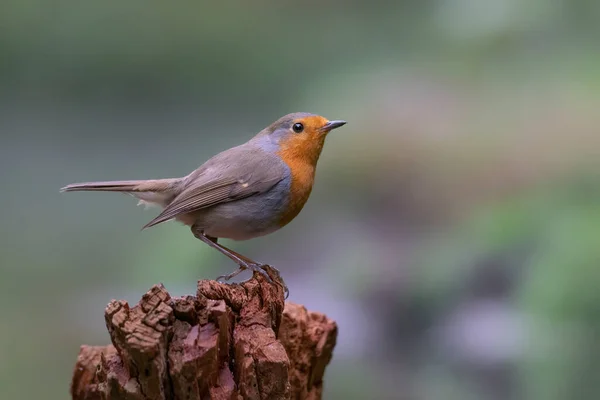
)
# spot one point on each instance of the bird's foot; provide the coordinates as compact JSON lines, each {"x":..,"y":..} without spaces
{"x":280,"y":280}
{"x":231,"y":275}
{"x":262,"y":270}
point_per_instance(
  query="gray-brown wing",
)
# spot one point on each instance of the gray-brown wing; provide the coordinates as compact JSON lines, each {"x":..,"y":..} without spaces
{"x":229,"y":176}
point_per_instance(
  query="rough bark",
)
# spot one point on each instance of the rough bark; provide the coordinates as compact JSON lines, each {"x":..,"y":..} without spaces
{"x":230,"y":341}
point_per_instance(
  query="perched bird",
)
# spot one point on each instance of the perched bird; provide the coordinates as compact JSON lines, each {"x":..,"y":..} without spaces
{"x":245,"y":192}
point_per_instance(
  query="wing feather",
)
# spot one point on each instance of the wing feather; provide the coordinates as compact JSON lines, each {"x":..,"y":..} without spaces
{"x":194,"y":198}
{"x":260,"y":173}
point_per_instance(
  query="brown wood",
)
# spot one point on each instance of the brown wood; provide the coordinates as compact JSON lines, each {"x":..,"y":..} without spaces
{"x":230,"y":341}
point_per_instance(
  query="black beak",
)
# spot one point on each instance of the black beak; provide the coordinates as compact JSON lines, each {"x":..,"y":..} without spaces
{"x":332,"y":125}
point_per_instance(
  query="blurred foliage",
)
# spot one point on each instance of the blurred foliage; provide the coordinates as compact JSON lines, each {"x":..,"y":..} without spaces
{"x":453,"y":231}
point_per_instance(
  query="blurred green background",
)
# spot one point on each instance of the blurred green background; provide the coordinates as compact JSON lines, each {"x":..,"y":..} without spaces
{"x":454,"y":228}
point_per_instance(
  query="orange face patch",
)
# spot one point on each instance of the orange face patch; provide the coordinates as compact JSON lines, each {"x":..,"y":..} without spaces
{"x":301,"y":151}
{"x":306,"y":145}
{"x":312,"y":124}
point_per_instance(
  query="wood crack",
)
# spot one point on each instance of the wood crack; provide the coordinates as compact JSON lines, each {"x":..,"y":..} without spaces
{"x":229,"y":342}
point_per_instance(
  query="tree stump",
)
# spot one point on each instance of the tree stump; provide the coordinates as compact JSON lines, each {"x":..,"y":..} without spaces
{"x":230,"y":341}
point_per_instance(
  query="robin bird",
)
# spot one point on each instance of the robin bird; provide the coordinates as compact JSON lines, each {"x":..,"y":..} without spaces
{"x":248,"y":191}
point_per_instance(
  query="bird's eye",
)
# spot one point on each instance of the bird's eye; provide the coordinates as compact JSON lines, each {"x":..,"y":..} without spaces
{"x":298,"y":127}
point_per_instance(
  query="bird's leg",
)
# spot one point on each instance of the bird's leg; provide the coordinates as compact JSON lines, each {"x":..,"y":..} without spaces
{"x":242,"y":261}
{"x":253,"y":265}
{"x":243,"y":264}
{"x":235,"y":253}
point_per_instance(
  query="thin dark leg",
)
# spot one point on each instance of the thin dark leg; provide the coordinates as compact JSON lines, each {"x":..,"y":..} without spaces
{"x":249,"y":261}
{"x":243,"y":262}
{"x":235,"y":253}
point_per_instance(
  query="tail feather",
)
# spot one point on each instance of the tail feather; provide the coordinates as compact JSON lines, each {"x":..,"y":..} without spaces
{"x":165,"y":186}
{"x":109,"y":186}
{"x":159,"y":192}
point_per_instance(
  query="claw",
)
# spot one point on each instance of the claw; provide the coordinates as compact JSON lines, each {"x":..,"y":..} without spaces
{"x":280,"y":280}
{"x":260,"y":269}
{"x":231,"y":275}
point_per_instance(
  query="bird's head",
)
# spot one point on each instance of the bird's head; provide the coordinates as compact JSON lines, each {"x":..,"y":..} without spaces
{"x":298,"y":135}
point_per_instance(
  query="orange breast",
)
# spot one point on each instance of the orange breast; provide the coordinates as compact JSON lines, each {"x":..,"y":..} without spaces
{"x":301,"y":157}
{"x":300,"y":188}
